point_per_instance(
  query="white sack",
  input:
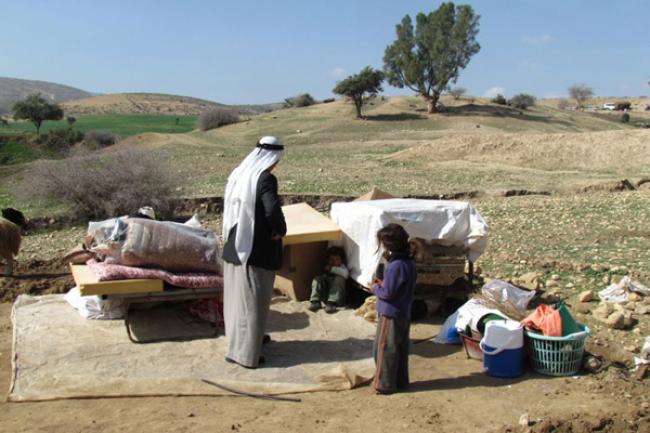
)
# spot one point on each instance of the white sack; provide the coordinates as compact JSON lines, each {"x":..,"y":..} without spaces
{"x":94,"y":307}
{"x":618,"y":292}
{"x":452,"y":223}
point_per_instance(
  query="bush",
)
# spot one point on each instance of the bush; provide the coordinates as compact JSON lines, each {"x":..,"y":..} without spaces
{"x":457,"y":92}
{"x":500,"y":99}
{"x":99,"y":139}
{"x":563,"y":104}
{"x":522,"y":101}
{"x":303,"y":100}
{"x":60,"y":140}
{"x":625,"y":118}
{"x":99,"y":187}
{"x":216,"y":117}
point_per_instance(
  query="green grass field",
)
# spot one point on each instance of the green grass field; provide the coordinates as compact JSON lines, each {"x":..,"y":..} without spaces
{"x":125,"y":125}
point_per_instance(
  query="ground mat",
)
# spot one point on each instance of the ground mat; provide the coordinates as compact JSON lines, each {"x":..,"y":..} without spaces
{"x":58,"y":354}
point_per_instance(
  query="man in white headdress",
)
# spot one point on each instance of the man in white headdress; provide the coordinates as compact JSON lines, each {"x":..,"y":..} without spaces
{"x":253,"y":227}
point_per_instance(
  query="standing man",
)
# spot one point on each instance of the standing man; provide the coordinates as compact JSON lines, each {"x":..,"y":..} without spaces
{"x":253,"y":227}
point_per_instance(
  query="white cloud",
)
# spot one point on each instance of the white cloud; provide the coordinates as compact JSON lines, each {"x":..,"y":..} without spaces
{"x":494,"y":91}
{"x":537,"y":39}
{"x":338,"y":72}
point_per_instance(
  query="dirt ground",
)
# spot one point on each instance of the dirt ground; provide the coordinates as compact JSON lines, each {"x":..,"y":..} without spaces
{"x":449,"y":393}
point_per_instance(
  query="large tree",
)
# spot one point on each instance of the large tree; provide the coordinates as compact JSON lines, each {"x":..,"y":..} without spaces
{"x":359,"y":87}
{"x":428,"y":60}
{"x":581,"y":92}
{"x":37,"y":110}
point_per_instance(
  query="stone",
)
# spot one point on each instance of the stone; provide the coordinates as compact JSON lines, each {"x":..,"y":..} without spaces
{"x":583,"y":307}
{"x":603,"y":311}
{"x":628,"y":320}
{"x":569,"y":286}
{"x":634,"y":348}
{"x":551,"y":283}
{"x":529,"y":280}
{"x":634,"y":297}
{"x":630,"y":306}
{"x":592,"y":364}
{"x":642,"y":310}
{"x":586,"y":296}
{"x":555,"y":277}
{"x":615,"y":320}
{"x":645,"y":405}
{"x":524,"y":420}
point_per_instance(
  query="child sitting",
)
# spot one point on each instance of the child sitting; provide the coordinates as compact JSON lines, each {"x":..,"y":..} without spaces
{"x":330,"y":286}
{"x":394,"y":299}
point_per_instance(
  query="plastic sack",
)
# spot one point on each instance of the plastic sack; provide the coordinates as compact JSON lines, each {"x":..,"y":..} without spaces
{"x":619,"y":292}
{"x":158,"y":244}
{"x":94,"y":307}
{"x":502,"y":292}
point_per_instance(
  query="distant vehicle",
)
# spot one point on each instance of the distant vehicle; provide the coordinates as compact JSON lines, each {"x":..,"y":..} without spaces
{"x":609,"y":106}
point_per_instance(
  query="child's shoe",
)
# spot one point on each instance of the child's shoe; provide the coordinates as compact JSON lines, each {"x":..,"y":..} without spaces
{"x":314,"y":306}
{"x":330,"y":307}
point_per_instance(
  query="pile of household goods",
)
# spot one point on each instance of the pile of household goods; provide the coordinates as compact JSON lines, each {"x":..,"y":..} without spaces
{"x":125,"y":258}
{"x":497,"y":327}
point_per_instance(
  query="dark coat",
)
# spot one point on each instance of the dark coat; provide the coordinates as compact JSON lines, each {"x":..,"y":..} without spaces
{"x":269,"y":220}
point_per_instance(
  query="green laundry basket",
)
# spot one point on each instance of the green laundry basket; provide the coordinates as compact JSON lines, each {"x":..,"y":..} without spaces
{"x":557,"y":356}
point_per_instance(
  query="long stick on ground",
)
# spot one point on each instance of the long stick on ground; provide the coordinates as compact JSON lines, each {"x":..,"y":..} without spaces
{"x":249,"y":394}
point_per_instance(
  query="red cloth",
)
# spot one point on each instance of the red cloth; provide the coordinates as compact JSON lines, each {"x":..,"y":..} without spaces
{"x":192,"y":280}
{"x":210,"y":310}
{"x":546,"y":320}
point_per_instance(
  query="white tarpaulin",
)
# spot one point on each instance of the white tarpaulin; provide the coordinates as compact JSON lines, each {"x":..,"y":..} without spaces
{"x":451,"y":223}
{"x":58,"y":354}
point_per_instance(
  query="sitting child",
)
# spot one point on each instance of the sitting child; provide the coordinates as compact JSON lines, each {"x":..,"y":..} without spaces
{"x":394,"y":299}
{"x":330,"y":286}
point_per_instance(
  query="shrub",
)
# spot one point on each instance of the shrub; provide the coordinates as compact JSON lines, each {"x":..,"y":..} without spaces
{"x":99,"y":187}
{"x":60,"y":140}
{"x":303,"y":100}
{"x":216,"y":117}
{"x":457,"y":92}
{"x":328,"y":100}
{"x":622,"y":106}
{"x":625,"y":118}
{"x":522,"y":101}
{"x":563,"y":104}
{"x":500,"y":99}
{"x":99,"y":139}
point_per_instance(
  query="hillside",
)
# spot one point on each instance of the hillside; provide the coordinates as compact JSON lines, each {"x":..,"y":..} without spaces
{"x":152,"y":103}
{"x":14,"y":89}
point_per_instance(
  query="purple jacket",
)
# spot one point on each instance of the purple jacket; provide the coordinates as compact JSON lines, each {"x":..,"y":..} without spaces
{"x":395,"y":294}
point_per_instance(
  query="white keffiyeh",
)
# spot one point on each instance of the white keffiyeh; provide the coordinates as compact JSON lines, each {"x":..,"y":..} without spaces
{"x":241,"y":189}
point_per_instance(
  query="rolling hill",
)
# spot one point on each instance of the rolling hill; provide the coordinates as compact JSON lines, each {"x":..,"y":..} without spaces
{"x":14,"y":89}
{"x":153,"y":103}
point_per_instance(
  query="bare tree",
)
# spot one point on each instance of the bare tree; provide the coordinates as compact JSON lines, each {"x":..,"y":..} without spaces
{"x":581,"y":92}
{"x":457,"y":92}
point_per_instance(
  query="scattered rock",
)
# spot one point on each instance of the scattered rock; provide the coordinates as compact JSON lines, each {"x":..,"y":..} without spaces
{"x":615,"y":320}
{"x":592,"y":364}
{"x":642,"y":310}
{"x":569,"y":286}
{"x":524,"y":420}
{"x":631,"y":306}
{"x":586,"y":296}
{"x":551,"y":283}
{"x":530,"y":280}
{"x":634,"y":348}
{"x":582,"y":307}
{"x":634,"y":297}
{"x":603,"y":311}
{"x":612,"y":186}
{"x":628,"y":320}
{"x":555,"y":277}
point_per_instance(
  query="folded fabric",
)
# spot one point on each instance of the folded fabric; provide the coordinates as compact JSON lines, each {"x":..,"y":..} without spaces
{"x":546,"y":320}
{"x":192,"y":280}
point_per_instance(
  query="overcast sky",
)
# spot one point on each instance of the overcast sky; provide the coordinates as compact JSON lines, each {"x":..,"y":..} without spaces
{"x":264,"y":51}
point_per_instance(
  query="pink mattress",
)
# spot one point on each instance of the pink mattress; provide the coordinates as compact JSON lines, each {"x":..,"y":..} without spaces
{"x":190,"y":280}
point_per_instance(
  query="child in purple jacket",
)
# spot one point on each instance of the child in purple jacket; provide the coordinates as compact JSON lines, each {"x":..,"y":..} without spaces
{"x":394,"y":299}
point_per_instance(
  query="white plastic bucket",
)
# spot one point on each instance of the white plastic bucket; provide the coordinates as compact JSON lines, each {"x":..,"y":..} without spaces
{"x":503,"y":348}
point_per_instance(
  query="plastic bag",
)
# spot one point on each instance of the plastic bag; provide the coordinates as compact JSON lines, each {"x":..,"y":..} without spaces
{"x":502,"y":292}
{"x":619,"y":292}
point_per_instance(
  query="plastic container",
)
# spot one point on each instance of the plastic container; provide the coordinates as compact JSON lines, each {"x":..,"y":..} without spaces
{"x":471,"y":346}
{"x":557,"y":356}
{"x":503,"y":348}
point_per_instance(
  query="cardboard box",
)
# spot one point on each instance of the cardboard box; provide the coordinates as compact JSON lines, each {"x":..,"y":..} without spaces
{"x":305,"y":249}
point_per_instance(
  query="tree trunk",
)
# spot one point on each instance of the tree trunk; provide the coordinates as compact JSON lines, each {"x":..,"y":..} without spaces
{"x":432,"y":101}
{"x":38,"y":127}
{"x":357,"y":104}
